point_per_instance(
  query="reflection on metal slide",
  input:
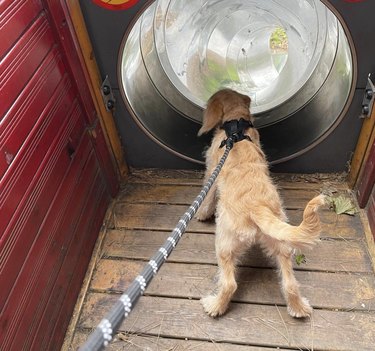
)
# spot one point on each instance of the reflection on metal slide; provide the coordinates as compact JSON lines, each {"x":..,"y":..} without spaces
{"x":291,"y":57}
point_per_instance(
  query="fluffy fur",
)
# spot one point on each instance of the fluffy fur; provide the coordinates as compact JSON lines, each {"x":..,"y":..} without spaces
{"x":249,"y":209}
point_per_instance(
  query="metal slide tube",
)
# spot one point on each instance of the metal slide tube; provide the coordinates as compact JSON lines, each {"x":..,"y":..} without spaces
{"x":291,"y":57}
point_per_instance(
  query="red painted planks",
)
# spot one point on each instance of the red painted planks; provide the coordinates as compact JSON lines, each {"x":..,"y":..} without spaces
{"x":52,"y":247}
{"x":27,"y":112}
{"x":15,"y":16}
{"x":20,"y":63}
{"x":15,"y":185}
{"x":45,"y":251}
{"x":371,"y":213}
{"x":78,"y":255}
{"x":63,"y":25}
{"x":367,"y":180}
{"x":23,"y":226}
{"x":53,"y":182}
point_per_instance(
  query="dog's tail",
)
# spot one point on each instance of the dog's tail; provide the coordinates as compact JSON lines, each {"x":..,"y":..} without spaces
{"x":299,"y":237}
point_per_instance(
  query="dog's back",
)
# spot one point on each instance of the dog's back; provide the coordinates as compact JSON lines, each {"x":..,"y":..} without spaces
{"x":244,"y":187}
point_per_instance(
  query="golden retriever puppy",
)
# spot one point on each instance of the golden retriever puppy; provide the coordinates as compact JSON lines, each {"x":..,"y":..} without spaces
{"x":248,"y":207}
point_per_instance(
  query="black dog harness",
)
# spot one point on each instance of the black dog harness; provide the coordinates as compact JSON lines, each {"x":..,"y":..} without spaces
{"x":234,"y":131}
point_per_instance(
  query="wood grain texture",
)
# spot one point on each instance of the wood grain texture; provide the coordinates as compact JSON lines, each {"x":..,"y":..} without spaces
{"x":185,"y":194}
{"x":243,"y":324}
{"x":283,"y":180}
{"x":165,"y":217}
{"x":193,"y":281}
{"x":328,"y":255}
{"x":337,"y":278}
{"x":139,"y":342}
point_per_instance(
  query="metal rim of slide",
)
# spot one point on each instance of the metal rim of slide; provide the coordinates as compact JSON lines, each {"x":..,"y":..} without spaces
{"x":294,"y":58}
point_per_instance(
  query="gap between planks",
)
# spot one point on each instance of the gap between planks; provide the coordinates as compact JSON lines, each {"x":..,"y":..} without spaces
{"x":123,"y":260}
{"x":255,"y":285}
{"x":243,"y":323}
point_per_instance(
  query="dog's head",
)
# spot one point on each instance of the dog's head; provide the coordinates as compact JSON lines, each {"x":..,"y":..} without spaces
{"x":223,"y":106}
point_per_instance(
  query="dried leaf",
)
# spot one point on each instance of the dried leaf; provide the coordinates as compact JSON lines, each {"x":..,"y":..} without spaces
{"x":343,"y":205}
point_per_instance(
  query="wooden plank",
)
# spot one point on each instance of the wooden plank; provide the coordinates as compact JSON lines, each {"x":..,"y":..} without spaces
{"x":14,"y":17}
{"x":165,"y":217}
{"x":337,"y":279}
{"x":86,"y":236}
{"x":21,"y":172}
{"x":328,"y":255}
{"x":166,"y":176}
{"x":243,"y":324}
{"x":195,"y":177}
{"x":23,"y":59}
{"x":185,"y":195}
{"x":48,"y":90}
{"x":41,"y":264}
{"x":357,"y":291}
{"x":23,"y":227}
{"x":155,"y":216}
{"x":329,"y":181}
{"x":135,"y":342}
{"x":76,"y":222}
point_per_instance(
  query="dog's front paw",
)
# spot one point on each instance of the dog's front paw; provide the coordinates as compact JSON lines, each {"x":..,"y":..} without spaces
{"x":212,"y":306}
{"x":300,"y":309}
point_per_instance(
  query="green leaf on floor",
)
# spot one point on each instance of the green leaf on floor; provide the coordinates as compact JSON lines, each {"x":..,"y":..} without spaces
{"x":301,"y":258}
{"x":343,"y":205}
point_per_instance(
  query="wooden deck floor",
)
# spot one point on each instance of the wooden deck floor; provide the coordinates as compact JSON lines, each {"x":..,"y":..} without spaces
{"x":338,"y":277}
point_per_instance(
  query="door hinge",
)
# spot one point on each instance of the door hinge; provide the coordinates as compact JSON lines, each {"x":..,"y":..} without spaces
{"x":368,"y":98}
{"x":107,"y":94}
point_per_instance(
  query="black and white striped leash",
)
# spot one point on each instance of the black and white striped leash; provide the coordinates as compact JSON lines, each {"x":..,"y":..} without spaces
{"x":104,"y":332}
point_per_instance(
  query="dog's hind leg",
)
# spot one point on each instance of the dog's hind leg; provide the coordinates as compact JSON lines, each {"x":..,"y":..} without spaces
{"x":298,"y":306}
{"x":216,"y":305}
{"x":228,"y":251}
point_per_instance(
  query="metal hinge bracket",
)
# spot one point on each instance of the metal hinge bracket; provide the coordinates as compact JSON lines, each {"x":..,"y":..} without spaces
{"x":368,"y":99}
{"x":107,"y":94}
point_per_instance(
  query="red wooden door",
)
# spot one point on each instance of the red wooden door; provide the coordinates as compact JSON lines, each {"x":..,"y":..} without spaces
{"x":56,"y":176}
{"x":366,"y":188}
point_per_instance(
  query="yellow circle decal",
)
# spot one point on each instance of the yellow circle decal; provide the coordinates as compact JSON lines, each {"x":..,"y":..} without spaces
{"x":116,"y":4}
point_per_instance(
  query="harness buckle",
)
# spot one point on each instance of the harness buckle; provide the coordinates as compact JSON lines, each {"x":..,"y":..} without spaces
{"x":234,"y":131}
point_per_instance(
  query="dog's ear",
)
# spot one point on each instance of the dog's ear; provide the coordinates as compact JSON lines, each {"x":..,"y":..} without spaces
{"x":212,"y":116}
{"x":246,"y":100}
